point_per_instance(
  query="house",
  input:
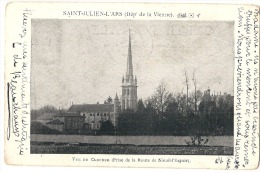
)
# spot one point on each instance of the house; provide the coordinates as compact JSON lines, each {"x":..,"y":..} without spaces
{"x":95,"y":114}
{"x":46,"y":117}
{"x":56,"y":124}
{"x":63,"y":122}
{"x":72,"y":122}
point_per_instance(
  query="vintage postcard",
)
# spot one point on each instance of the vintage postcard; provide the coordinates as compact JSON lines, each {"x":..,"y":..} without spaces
{"x":132,"y":85}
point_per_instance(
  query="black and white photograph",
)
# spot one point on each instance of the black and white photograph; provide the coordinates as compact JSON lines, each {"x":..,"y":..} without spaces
{"x":131,"y":85}
{"x":142,"y":87}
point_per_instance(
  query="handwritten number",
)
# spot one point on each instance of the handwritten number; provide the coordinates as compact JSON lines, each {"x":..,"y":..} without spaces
{"x":219,"y":160}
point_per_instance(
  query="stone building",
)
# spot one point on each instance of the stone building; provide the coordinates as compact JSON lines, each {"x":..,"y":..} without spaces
{"x":95,"y":114}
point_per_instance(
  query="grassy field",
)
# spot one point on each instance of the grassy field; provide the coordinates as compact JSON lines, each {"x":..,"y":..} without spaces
{"x":129,"y":149}
{"x":227,"y":141}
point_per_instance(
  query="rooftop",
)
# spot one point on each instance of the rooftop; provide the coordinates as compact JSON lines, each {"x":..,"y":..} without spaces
{"x":91,"y":108}
{"x":55,"y":122}
{"x":46,"y":116}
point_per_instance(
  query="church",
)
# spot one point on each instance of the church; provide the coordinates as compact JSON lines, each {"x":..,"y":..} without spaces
{"x":95,"y":114}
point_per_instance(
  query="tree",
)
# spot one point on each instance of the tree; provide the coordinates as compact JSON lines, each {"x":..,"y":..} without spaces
{"x":109,"y":100}
{"x":107,"y":128}
{"x":173,"y":121}
{"x":181,"y":101}
{"x":195,"y":88}
{"x":127,"y":123}
{"x":140,"y":106}
{"x":48,"y":109}
{"x":140,"y":122}
{"x":194,"y":99}
{"x":152,"y":119}
{"x":161,"y":99}
{"x":187,"y":87}
{"x":159,"y":102}
{"x":35,"y":113}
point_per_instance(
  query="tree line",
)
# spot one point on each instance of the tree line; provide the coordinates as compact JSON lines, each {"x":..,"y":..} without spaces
{"x":191,"y":113}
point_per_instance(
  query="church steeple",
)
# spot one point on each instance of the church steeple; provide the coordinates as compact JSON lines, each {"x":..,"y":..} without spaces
{"x":129,"y":83}
{"x":129,"y":70}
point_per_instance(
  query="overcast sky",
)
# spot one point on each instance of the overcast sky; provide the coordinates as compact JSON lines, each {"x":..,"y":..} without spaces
{"x":84,"y":60}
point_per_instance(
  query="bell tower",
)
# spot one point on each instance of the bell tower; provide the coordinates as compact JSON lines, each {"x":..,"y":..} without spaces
{"x":129,"y":84}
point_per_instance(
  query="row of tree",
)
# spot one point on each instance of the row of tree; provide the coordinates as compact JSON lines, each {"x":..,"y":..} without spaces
{"x":166,"y":114}
{"x":35,"y":113}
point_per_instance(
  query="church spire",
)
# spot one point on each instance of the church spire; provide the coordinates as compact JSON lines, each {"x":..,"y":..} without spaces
{"x":129,"y":84}
{"x":116,"y":97}
{"x":129,"y":71}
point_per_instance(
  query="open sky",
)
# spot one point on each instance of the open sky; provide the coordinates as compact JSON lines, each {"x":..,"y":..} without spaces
{"x":84,"y":60}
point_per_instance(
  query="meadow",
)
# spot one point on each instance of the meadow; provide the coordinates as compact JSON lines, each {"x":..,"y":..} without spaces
{"x":159,"y":145}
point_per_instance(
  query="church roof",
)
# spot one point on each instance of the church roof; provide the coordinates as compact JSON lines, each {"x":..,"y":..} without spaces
{"x":69,"y":114}
{"x":55,"y":122}
{"x":91,"y":108}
